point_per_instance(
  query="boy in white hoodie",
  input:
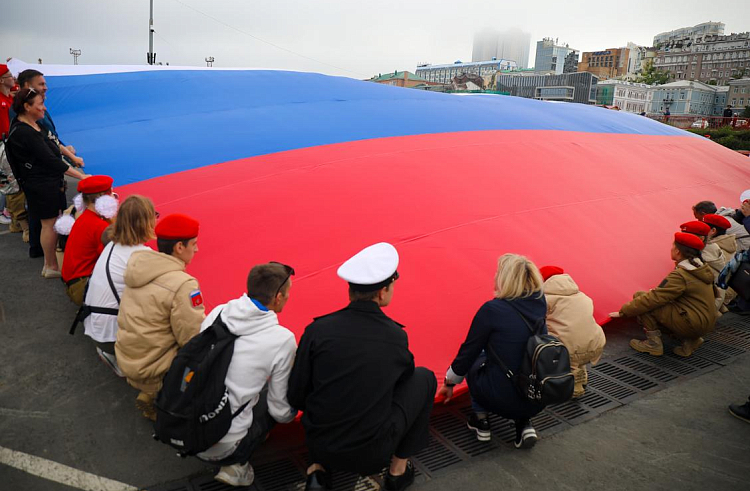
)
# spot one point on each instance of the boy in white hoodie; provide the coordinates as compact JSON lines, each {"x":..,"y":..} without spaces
{"x":258,"y":373}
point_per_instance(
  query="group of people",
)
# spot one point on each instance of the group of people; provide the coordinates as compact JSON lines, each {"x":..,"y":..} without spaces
{"x":365,"y":403}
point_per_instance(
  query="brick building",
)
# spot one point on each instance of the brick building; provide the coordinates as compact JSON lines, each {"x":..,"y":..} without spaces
{"x":399,"y":79}
{"x":605,"y":64}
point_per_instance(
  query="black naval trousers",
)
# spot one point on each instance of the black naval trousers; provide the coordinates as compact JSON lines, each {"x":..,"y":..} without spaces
{"x":409,"y":423}
{"x":412,"y":405}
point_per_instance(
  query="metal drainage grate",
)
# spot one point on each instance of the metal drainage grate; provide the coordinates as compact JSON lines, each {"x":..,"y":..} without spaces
{"x":717,"y":352}
{"x":452,"y":428}
{"x":645,"y":369}
{"x":278,"y":475}
{"x":741,"y":341}
{"x":736,"y":331}
{"x":570,"y":410}
{"x":625,"y":376}
{"x":436,"y":456}
{"x":670,"y":364}
{"x":611,"y":388}
{"x":546,"y":424}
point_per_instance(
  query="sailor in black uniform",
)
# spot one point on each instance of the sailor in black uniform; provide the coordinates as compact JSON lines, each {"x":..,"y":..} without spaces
{"x":364,"y":402}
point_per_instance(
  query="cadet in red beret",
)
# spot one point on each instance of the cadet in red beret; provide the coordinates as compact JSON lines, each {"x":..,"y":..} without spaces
{"x":161,"y":308}
{"x":720,"y":249}
{"x":696,"y":228}
{"x":85,"y":244}
{"x":548,"y":271}
{"x":570,"y":317}
{"x":683,"y":303}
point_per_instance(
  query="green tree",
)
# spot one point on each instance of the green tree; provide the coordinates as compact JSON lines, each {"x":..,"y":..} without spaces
{"x":746,"y":112}
{"x":653,"y":76}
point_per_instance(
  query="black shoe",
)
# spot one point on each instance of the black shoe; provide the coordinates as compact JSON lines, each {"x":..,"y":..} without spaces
{"x":741,"y":412}
{"x":399,"y":483}
{"x":525,"y":436}
{"x":733,"y":307}
{"x":481,"y":427}
{"x":318,"y":480}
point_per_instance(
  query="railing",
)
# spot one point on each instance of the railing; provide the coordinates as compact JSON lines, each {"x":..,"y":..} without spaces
{"x":702,"y":122}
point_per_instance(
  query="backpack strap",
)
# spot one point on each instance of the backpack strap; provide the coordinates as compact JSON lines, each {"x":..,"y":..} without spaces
{"x":525,"y":320}
{"x":109,"y":275}
{"x":86,"y":310}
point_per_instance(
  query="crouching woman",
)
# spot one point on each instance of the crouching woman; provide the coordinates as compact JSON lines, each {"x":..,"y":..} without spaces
{"x":500,"y":329}
{"x":682,"y":304}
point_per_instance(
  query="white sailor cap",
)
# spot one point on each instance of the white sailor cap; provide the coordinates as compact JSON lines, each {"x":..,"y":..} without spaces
{"x":745,"y":196}
{"x":372,"y":268}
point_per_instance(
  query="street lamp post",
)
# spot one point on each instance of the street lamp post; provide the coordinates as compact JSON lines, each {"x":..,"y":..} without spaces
{"x":151,"y":56}
{"x":76,"y":53}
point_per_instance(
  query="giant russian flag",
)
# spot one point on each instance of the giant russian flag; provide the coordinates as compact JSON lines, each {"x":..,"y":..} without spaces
{"x":308,"y":169}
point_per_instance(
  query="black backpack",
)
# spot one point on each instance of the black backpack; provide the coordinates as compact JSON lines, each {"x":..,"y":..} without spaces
{"x":192,"y":407}
{"x":545,"y":376}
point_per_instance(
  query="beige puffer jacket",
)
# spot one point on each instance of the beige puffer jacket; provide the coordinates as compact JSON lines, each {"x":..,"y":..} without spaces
{"x":160,"y":311}
{"x":713,"y":255}
{"x":570,"y":317}
{"x":728,"y":244}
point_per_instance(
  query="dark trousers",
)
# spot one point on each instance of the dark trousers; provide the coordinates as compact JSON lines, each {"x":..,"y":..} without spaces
{"x":256,"y":434}
{"x":35,"y":233}
{"x":412,"y":405}
{"x":408,"y":424}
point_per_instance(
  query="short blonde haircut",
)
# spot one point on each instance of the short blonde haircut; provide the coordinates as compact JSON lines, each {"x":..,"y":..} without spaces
{"x":517,"y":277}
{"x":135,"y":222}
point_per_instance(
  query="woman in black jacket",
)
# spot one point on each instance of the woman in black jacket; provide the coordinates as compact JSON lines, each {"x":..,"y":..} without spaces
{"x":500,"y":324}
{"x":38,"y":166}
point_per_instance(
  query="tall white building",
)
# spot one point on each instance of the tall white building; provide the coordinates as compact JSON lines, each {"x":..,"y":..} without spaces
{"x":510,"y":44}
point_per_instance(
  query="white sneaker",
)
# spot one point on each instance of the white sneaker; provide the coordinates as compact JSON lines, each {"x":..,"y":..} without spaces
{"x":236,"y":475}
{"x":526,"y":437}
{"x":4,"y":220}
{"x":110,"y":361}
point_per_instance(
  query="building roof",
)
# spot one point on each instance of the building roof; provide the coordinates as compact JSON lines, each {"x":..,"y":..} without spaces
{"x":397,"y":76}
{"x":468,"y":63}
{"x":693,"y":84}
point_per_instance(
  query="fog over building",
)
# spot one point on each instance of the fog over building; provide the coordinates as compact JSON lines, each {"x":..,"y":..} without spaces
{"x":510,"y":44}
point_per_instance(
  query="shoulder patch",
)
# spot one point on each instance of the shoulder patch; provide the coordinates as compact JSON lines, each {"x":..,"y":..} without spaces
{"x":196,"y":299}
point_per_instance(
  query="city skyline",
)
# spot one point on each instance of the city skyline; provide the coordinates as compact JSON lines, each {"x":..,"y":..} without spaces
{"x":331,"y":37}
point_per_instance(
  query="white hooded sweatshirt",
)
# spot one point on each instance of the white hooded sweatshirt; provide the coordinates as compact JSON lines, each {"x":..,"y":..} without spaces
{"x":263,"y":354}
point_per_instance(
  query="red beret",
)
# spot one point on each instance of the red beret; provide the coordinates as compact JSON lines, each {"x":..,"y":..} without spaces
{"x":695,"y":227}
{"x":177,"y":226}
{"x":717,"y":221}
{"x":3,"y":69}
{"x":689,"y":240}
{"x":548,"y":271}
{"x":95,"y":184}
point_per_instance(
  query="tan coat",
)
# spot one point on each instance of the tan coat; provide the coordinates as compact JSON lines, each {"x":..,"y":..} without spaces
{"x":570,"y":317}
{"x":683,"y":302}
{"x":728,"y":245}
{"x":157,"y":316}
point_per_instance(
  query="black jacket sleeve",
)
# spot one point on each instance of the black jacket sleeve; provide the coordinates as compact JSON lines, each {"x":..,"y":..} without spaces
{"x":476,"y":341}
{"x":300,"y":378}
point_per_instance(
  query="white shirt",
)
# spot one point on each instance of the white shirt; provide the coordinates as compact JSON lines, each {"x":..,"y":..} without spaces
{"x":103,"y":327}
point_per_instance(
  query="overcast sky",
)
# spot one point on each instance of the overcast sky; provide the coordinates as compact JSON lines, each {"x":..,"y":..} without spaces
{"x":342,"y":37}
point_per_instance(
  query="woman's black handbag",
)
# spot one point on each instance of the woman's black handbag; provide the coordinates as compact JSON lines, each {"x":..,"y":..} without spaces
{"x":740,"y":281}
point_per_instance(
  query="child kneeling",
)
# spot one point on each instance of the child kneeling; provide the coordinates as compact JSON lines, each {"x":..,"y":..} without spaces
{"x":683,"y":303}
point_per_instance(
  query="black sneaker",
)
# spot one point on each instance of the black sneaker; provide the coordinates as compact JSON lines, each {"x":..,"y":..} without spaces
{"x":525,"y":436}
{"x":481,"y":427}
{"x":318,"y":480}
{"x":741,"y":412}
{"x":399,"y":483}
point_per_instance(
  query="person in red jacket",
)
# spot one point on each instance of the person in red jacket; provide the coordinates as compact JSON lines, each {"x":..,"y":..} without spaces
{"x":6,"y":101}
{"x":85,"y":241}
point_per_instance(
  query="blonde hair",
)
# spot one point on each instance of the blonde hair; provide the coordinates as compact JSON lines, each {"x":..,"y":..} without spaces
{"x":517,"y":277}
{"x":135,"y":222}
